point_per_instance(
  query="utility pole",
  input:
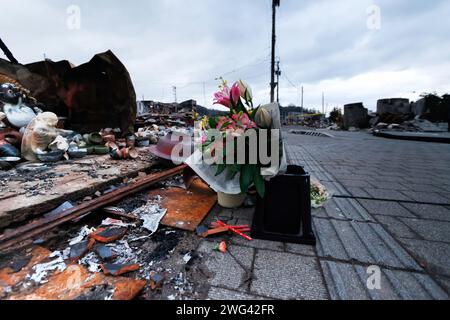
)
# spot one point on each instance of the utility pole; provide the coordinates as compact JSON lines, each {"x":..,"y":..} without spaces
{"x":323,"y":102}
{"x":7,"y":53}
{"x":302,"y":98}
{"x":278,"y":74}
{"x":174,"y":90}
{"x":275,"y":4}
{"x":204,"y":94}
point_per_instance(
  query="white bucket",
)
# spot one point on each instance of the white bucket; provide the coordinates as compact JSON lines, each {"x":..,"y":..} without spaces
{"x":230,"y":201}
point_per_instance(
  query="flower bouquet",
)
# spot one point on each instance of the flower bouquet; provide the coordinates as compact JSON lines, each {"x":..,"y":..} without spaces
{"x":242,"y":143}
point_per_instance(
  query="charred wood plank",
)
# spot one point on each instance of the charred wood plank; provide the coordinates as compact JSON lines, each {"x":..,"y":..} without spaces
{"x":48,"y":223}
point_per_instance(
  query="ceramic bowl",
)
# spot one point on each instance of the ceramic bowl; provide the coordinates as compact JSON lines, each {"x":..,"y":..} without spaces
{"x":52,"y":156}
{"x":95,"y":138}
{"x":101,"y":150}
{"x":7,"y":150}
{"x":78,"y":153}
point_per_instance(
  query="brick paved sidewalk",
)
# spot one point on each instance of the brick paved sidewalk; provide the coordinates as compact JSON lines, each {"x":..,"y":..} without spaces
{"x":390,"y":209}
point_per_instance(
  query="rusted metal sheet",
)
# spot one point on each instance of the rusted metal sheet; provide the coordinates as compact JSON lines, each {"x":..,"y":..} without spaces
{"x":76,"y":282}
{"x":108,"y":235}
{"x":9,"y":278}
{"x":47,"y":223}
{"x":186,"y":209}
{"x":118,"y":269}
{"x":79,"y":250}
{"x":73,"y":283}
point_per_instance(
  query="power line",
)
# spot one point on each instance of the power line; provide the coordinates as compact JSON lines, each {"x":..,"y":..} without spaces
{"x":210,"y":80}
{"x":262,"y":61}
{"x":289,"y":80}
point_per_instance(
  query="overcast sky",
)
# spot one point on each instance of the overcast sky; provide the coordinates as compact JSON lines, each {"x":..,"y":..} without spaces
{"x":339,"y":47}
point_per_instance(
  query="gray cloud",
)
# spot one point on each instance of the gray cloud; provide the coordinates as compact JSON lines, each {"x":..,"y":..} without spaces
{"x":323,"y":45}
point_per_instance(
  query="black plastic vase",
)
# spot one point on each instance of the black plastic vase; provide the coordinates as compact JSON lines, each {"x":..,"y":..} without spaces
{"x":284,"y":214}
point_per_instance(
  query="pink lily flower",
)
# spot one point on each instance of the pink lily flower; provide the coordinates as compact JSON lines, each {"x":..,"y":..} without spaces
{"x":242,"y":120}
{"x":223,"y":97}
{"x":247,"y":123}
{"x":203,"y":138}
{"x":235,"y":93}
{"x":223,"y":121}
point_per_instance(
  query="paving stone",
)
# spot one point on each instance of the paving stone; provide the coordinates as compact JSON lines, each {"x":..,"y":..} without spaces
{"x":426,"y":197}
{"x":288,"y":276}
{"x":342,"y":208}
{"x":414,"y":286}
{"x":393,"y":172}
{"x":356,"y":183}
{"x":321,"y":176}
{"x":385,"y":194}
{"x":379,"y":178}
{"x":243,"y":213}
{"x":227,"y":272}
{"x":423,"y":187}
{"x":430,"y":230}
{"x":349,"y":282}
{"x":258,"y":244}
{"x":390,"y":185}
{"x":395,"y":226}
{"x":225,"y":215}
{"x":358,"y":192}
{"x":445,"y":195}
{"x":353,"y":175}
{"x":364,"y":242}
{"x":335,"y":188}
{"x":225,"y":294}
{"x":426,"y":211}
{"x":422,"y":181}
{"x":434,"y":256}
{"x":300,"y":249}
{"x":343,"y":282}
{"x":241,"y":221}
{"x":416,"y":171}
{"x":445,"y":283}
{"x":387,"y":208}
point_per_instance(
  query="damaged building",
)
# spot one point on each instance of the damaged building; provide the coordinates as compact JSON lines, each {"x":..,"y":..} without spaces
{"x":355,"y":116}
{"x":95,"y":95}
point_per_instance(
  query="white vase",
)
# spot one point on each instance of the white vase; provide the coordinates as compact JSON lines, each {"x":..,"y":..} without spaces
{"x":230,"y":201}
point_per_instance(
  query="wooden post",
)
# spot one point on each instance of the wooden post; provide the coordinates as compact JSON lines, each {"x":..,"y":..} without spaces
{"x":7,"y":53}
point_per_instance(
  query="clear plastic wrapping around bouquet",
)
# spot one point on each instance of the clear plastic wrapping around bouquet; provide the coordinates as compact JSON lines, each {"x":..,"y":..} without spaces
{"x":268,"y":173}
{"x":208,"y":174}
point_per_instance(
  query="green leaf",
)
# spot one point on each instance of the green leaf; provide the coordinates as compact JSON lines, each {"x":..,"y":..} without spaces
{"x":241,"y":107}
{"x":247,"y":176}
{"x":233,"y":170}
{"x":259,"y":183}
{"x":220,"y":169}
{"x":212,"y":123}
{"x":226,"y":124}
